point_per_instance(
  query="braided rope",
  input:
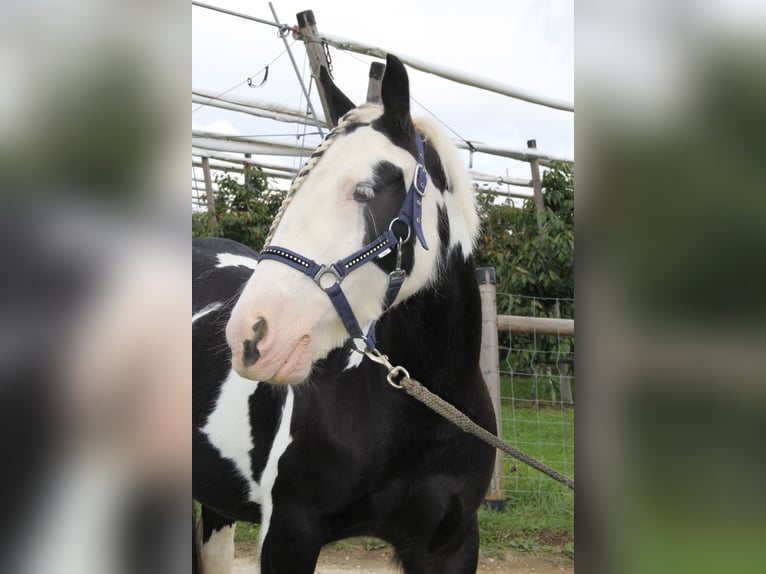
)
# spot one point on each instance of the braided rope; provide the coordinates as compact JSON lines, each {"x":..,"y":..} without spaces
{"x":459,"y":419}
{"x":349,"y":119}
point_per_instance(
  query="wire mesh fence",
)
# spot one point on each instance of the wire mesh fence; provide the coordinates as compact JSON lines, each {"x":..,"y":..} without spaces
{"x":537,"y":391}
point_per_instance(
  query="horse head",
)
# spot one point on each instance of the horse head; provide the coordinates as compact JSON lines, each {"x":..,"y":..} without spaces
{"x":361,"y":217}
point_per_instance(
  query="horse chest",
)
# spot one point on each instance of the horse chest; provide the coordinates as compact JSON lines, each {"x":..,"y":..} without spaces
{"x":329,"y":434}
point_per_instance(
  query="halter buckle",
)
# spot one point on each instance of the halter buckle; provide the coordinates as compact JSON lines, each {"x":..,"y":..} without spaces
{"x":421,"y":179}
{"x":324,"y":270}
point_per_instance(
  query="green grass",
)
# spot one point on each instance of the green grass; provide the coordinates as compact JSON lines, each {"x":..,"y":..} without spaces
{"x":539,"y":512}
{"x":246,"y":533}
{"x":533,"y":389}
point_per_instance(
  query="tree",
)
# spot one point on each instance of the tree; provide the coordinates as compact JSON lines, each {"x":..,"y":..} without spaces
{"x":528,"y":262}
{"x":244,"y":210}
{"x":533,"y":264}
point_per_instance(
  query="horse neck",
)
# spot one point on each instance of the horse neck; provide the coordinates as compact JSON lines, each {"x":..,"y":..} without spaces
{"x":436,"y":333}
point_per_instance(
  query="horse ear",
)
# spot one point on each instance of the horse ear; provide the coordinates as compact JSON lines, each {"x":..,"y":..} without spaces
{"x":395,"y":93}
{"x":337,"y":101}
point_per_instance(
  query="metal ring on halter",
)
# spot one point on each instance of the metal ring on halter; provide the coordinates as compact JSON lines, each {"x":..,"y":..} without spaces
{"x":409,"y":229}
{"x":398,"y":370}
{"x":324,"y":270}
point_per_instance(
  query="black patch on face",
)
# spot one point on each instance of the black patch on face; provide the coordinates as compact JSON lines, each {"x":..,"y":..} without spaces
{"x":403,"y":138}
{"x":390,"y":189}
{"x":351,"y":127}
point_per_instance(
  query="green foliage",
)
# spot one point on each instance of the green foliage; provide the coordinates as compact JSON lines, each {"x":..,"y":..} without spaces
{"x":244,"y":211}
{"x":246,"y":533}
{"x":529,"y":262}
{"x":535,"y":263}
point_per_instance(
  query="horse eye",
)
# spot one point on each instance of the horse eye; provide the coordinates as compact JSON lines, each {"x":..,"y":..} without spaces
{"x":363,"y":192}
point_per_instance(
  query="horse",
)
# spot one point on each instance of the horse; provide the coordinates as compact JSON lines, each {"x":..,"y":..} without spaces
{"x":295,"y":424}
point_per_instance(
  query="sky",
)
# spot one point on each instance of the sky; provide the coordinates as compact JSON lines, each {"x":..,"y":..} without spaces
{"x":527,"y":44}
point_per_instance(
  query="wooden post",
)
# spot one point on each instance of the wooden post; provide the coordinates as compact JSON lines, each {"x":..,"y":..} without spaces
{"x":317,"y":57}
{"x":376,"y":79}
{"x":537,"y":187}
{"x":210,"y":196}
{"x":489,"y":361}
{"x":565,"y":383}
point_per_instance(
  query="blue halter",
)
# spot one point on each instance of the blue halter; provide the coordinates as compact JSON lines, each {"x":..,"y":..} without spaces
{"x":329,"y":277}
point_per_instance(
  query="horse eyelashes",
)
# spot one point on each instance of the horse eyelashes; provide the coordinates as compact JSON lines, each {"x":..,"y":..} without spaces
{"x":364,"y":192}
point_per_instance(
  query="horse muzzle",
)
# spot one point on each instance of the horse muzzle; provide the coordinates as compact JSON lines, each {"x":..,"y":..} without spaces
{"x":259,"y":355}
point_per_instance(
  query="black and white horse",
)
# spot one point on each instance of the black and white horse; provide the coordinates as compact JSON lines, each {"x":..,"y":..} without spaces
{"x":294,"y":427}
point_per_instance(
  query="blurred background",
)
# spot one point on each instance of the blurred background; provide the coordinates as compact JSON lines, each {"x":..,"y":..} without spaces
{"x":670,"y":130}
{"x":95,"y":346}
{"x":94,"y":293}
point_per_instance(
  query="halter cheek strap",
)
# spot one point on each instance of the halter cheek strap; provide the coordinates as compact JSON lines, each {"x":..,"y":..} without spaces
{"x":329,"y":277}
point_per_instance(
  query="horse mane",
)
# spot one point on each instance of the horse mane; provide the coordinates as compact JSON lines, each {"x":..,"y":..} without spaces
{"x":458,"y":184}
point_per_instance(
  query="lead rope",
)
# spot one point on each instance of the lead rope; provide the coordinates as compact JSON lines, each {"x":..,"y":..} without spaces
{"x":416,"y":390}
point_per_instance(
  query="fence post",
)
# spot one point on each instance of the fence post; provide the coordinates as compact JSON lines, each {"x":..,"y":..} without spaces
{"x":537,"y":187}
{"x":566,"y":384}
{"x":374,"y":84}
{"x":489,"y":363}
{"x":210,"y":196}
{"x":307,"y":25}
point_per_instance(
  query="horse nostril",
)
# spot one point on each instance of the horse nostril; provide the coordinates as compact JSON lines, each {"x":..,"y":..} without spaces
{"x":250,"y":352}
{"x":259,"y":329}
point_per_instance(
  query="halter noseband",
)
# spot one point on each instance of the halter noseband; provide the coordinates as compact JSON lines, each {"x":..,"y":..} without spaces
{"x":329,"y":277}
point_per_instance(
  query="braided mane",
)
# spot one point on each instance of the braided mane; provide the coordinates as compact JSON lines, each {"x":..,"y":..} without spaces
{"x":362,"y":115}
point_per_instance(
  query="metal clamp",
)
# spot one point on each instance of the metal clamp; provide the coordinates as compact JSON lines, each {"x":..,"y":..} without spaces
{"x":399,"y":370}
{"x":398,"y":272}
{"x":377,"y":357}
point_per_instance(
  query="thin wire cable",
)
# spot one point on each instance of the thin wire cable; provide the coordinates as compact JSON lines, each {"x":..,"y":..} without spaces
{"x":442,"y":122}
{"x":219,"y":96}
{"x":297,"y":72}
{"x":437,"y":118}
{"x":297,"y":160}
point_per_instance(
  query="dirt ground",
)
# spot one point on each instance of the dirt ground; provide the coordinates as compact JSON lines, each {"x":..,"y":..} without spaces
{"x":342,"y":561}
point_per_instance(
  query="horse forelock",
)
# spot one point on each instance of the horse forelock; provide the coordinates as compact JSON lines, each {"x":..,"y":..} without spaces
{"x":352,"y":120}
